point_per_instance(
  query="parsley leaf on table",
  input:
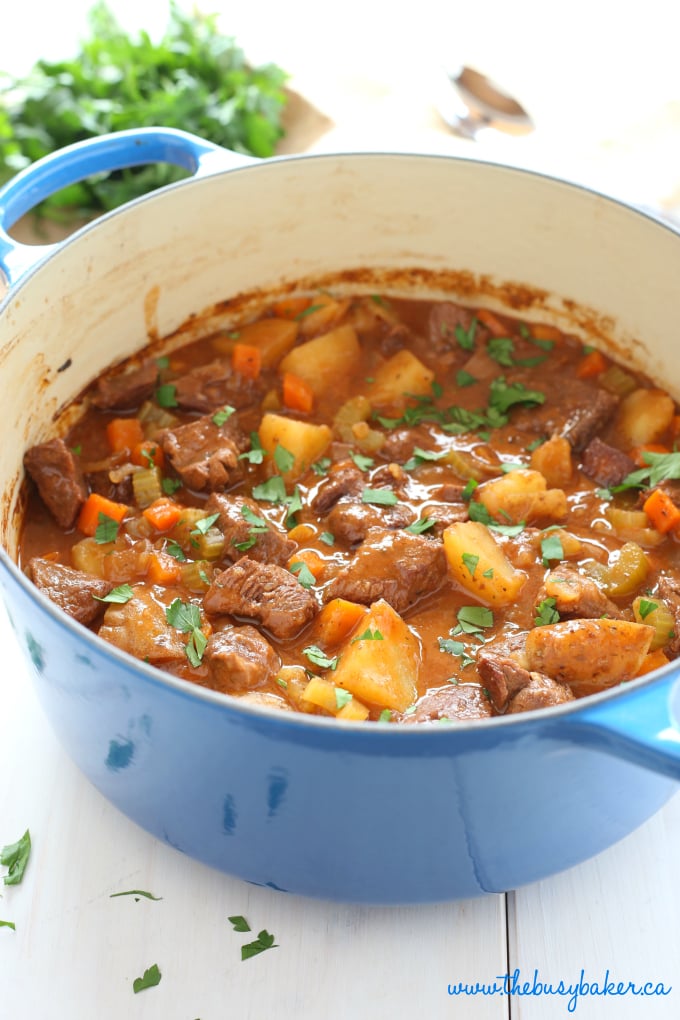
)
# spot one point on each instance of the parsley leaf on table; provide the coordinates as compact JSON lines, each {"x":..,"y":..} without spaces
{"x":15,"y":856}
{"x":263,"y":941}
{"x":150,"y":978}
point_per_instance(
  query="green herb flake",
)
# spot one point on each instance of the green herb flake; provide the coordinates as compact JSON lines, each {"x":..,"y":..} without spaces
{"x":474,"y":618}
{"x":509,"y":530}
{"x":223,"y":415}
{"x":203,"y":526}
{"x":500,"y":349}
{"x":294,"y":506}
{"x":466,"y":338}
{"x":186,"y":617}
{"x":303,"y":574}
{"x":239,"y":923}
{"x":450,"y":646}
{"x":150,"y":978}
{"x":645,"y":607}
{"x":163,"y":363}
{"x":8,"y":924}
{"x":342,"y":698}
{"x":196,"y":647}
{"x":107,"y":529}
{"x":379,"y":497}
{"x":503,"y":395}
{"x":283,"y":458}
{"x":420,"y":526}
{"x":271,"y":491}
{"x":385,"y":716}
{"x":369,"y":635}
{"x":320,"y":467}
{"x":464,"y":378}
{"x":478,"y":512}
{"x":551,"y":549}
{"x":362,"y":462}
{"x":255,"y":455}
{"x":319,"y":658}
{"x":419,"y":456}
{"x":534,"y":445}
{"x":170,"y":486}
{"x":308,"y":311}
{"x":166,"y":395}
{"x":488,"y":573}
{"x":137,"y":893}
{"x":175,"y":550}
{"x":263,"y":941}
{"x":15,"y":857}
{"x":468,"y":490}
{"x":661,"y":467}
{"x":470,"y":561}
{"x":512,"y":465}
{"x":120,"y":595}
{"x":327,"y":538}
{"x":77,"y":450}
{"x":546,"y":613}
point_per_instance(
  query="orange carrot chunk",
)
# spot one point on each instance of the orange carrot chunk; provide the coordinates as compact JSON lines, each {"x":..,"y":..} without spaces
{"x":88,"y":519}
{"x":638,"y":453}
{"x":492,"y":322}
{"x":298,"y":395}
{"x":163,"y":513}
{"x":337,"y":620}
{"x":246,"y":360}
{"x":163,"y":569}
{"x":148,"y":453}
{"x":290,"y":307}
{"x":662,"y":511}
{"x":591,"y":364}
{"x":543,"y":331}
{"x":124,"y":433}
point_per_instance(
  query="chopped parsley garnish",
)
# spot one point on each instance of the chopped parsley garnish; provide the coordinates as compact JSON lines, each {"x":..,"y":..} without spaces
{"x":283,"y":458}
{"x":163,"y":362}
{"x":239,"y":923}
{"x":77,"y":449}
{"x":170,"y":485}
{"x":203,"y":526}
{"x":255,"y":455}
{"x":437,"y":389}
{"x":186,"y":617}
{"x":501,"y":349}
{"x":8,"y":924}
{"x":509,"y":530}
{"x":308,"y":311}
{"x":223,"y":415}
{"x":546,"y":613}
{"x":468,"y":490}
{"x":319,"y":658}
{"x":15,"y":856}
{"x":175,"y":550}
{"x":645,"y":607}
{"x":385,"y":715}
{"x":470,"y":561}
{"x":362,"y":462}
{"x":321,"y":466}
{"x":511,"y":465}
{"x":472,"y":619}
{"x":149,"y":454}
{"x":342,"y":698}
{"x":421,"y":525}
{"x":271,"y":491}
{"x":466,"y":338}
{"x":120,"y":595}
{"x":106,"y":530}
{"x":551,"y":549}
{"x":166,"y":395}
{"x":150,"y":978}
{"x":503,"y":396}
{"x":534,"y":445}
{"x":294,"y":505}
{"x":419,"y":456}
{"x":379,"y":497}
{"x":263,"y":941}
{"x":369,"y":635}
{"x":136,"y":893}
{"x":488,"y":573}
{"x":478,"y":512}
{"x":303,"y":573}
{"x":662,"y":467}
{"x":464,"y":378}
{"x":327,"y":538}
{"x":257,"y":527}
{"x":452,"y":647}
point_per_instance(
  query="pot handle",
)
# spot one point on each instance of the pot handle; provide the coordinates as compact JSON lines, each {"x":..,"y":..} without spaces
{"x":640,"y":728}
{"x":116,"y":151}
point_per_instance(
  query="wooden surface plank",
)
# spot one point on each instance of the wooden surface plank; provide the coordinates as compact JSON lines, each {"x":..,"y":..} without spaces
{"x":76,"y":951}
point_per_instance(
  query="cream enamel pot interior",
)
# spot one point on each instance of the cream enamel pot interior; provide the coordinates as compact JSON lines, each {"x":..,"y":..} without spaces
{"x":354,"y":812}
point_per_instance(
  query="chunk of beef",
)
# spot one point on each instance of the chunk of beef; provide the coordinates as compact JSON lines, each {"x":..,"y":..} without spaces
{"x":140,"y":627}
{"x":56,"y":472}
{"x":351,"y":520}
{"x":578,"y":411}
{"x":444,"y":514}
{"x":455,"y":702}
{"x":539,"y":692}
{"x":446,"y":319}
{"x":502,"y":675}
{"x":126,"y":389}
{"x":71,"y":590}
{"x":215,"y":385}
{"x":401,"y":442}
{"x":605,"y":464}
{"x":668,"y":589}
{"x":114,"y":483}
{"x":391,"y":565}
{"x":240,"y":657}
{"x":206,"y":455}
{"x":342,"y":480}
{"x":576,"y":595}
{"x":242,"y":523}
{"x":263,"y":592}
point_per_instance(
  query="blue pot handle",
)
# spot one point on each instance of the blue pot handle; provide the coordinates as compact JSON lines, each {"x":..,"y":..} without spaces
{"x":103,"y":154}
{"x":640,"y":727}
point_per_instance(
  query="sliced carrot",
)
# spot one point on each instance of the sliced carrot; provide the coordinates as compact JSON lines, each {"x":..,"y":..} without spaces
{"x":662,"y":511}
{"x":491,"y":321}
{"x":148,"y":453}
{"x":88,"y":519}
{"x":337,"y":620}
{"x":653,"y":660}
{"x":163,"y":569}
{"x":163,"y":513}
{"x":246,"y":360}
{"x":290,"y":307}
{"x":675,"y":425}
{"x":298,"y":395}
{"x":302,"y":533}
{"x":314,"y":563}
{"x":124,"y":433}
{"x":591,"y":364}
{"x":542,"y":331}
{"x":637,"y":455}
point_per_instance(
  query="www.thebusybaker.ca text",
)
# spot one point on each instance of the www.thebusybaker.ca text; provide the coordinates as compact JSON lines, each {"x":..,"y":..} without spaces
{"x":512,"y":984}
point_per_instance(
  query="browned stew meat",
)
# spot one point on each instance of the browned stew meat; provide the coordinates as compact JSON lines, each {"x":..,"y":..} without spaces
{"x":373,"y":509}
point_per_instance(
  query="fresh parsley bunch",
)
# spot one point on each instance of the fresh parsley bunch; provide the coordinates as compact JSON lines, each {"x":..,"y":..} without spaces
{"x":194,"y":78}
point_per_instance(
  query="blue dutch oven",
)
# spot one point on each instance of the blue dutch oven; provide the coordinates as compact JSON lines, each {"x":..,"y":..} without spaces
{"x":351,"y":812}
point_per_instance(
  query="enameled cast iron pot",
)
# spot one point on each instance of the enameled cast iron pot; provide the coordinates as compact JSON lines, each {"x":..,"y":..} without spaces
{"x":371,"y":813}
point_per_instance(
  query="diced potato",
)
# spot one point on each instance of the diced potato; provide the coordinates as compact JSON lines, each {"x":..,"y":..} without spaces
{"x":655,"y":660}
{"x":402,"y":375}
{"x":266,"y":700}
{"x":571,"y":545}
{"x":492,"y":578}
{"x":140,"y":627}
{"x":306,"y":441}
{"x":660,"y":618}
{"x":326,"y":312}
{"x":88,"y":556}
{"x":321,"y":693}
{"x":522,"y":495}
{"x":382,"y":670}
{"x":336,"y":621}
{"x":324,"y":361}
{"x":553,"y":460}
{"x":353,"y":711}
{"x":644,"y":415}
{"x":273,"y":338}
{"x":589,"y":655}
{"x":292,"y":681}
